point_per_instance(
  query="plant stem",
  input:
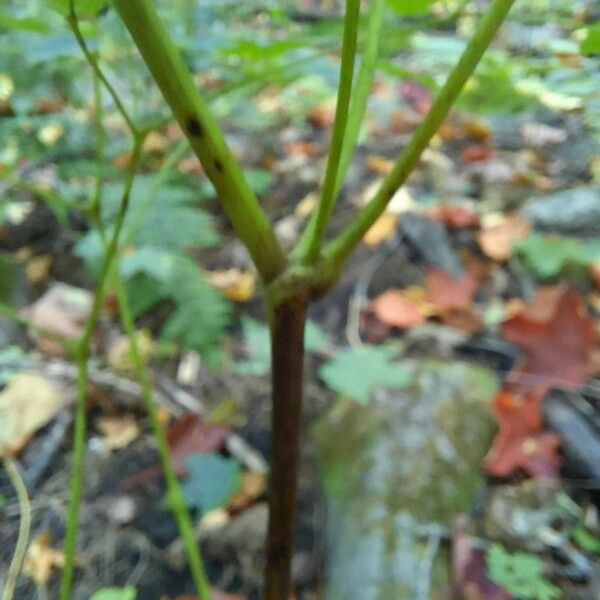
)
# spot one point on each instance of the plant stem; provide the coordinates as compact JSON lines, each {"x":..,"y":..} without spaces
{"x":337,"y":251}
{"x":176,"y":500}
{"x":12,"y":470}
{"x":81,"y":357}
{"x":316,"y":228}
{"x":205,"y":136}
{"x":288,"y":320}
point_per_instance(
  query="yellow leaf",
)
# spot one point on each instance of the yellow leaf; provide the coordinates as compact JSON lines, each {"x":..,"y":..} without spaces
{"x":27,"y":403}
{"x":42,"y":559}
{"x":119,"y":354}
{"x":380,"y":164}
{"x":383,"y":229}
{"x":234,"y":284}
{"x":118,"y":432}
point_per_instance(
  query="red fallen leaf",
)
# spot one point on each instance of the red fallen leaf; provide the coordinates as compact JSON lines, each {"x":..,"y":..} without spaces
{"x":520,"y":442}
{"x":446,"y":292}
{"x":192,"y":435}
{"x":474,"y":153}
{"x":393,"y":309}
{"x":454,"y":216}
{"x":469,"y":567}
{"x":558,"y":344}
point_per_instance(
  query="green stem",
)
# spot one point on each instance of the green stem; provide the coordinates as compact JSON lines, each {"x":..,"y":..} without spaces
{"x":82,"y":355}
{"x":206,"y":139}
{"x":317,"y":226}
{"x":176,"y":499}
{"x":12,"y":470}
{"x":337,"y":251}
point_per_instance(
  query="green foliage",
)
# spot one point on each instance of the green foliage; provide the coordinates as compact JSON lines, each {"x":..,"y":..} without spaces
{"x":410,"y":7}
{"x":521,"y":574}
{"x":586,"y":540}
{"x":114,"y":593}
{"x":591,"y":43}
{"x":212,"y":481}
{"x":83,"y":8}
{"x":166,"y":220}
{"x":356,"y":372}
{"x":258,"y":346}
{"x":551,"y":255}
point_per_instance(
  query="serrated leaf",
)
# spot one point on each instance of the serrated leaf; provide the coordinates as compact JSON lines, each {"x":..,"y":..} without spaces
{"x":114,"y":593}
{"x":258,"y":346}
{"x":212,"y":481}
{"x":356,"y":372}
{"x":549,"y":255}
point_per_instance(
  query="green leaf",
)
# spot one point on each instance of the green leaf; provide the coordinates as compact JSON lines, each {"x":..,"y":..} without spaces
{"x":520,"y":574}
{"x":259,"y":180}
{"x":549,"y":255}
{"x":82,"y":7}
{"x":586,"y":540}
{"x":410,"y":7}
{"x":356,"y":372}
{"x":258,"y":346}
{"x":114,"y":593}
{"x":591,"y":43}
{"x":212,"y":481}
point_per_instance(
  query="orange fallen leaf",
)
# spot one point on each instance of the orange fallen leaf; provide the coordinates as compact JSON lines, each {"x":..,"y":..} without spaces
{"x":302,"y":148}
{"x":383,"y":229}
{"x":253,"y":485}
{"x":497,"y":241}
{"x":380,"y":164}
{"x":395,"y":310}
{"x":42,"y":559}
{"x":448,"y":292}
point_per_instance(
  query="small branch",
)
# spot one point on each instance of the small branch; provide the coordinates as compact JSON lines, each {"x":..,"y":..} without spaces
{"x":311,"y":244}
{"x":337,"y":251}
{"x":176,"y":499}
{"x":12,"y":470}
{"x":206,"y":139}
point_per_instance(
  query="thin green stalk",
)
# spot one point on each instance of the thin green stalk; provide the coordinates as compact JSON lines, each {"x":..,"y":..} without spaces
{"x":337,"y":251}
{"x":81,"y":357}
{"x":176,"y":499}
{"x":206,"y":139}
{"x":100,"y":145}
{"x":12,"y":470}
{"x":358,"y":106}
{"x":74,"y":25}
{"x":317,"y":226}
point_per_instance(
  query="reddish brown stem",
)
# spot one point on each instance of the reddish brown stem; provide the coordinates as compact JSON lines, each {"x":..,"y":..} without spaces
{"x":287,"y":346}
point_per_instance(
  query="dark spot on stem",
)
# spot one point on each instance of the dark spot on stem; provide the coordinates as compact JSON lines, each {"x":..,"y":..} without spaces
{"x":219,"y":165}
{"x":194,"y":128}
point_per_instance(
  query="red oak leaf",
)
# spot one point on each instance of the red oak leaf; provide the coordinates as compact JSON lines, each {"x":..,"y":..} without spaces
{"x":558,"y":338}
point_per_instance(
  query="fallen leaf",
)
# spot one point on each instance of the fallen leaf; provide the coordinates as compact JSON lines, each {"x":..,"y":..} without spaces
{"x":380,"y":164}
{"x":477,"y":129}
{"x":252,"y":487}
{"x":558,"y":344}
{"x":454,"y":216}
{"x":595,"y":273}
{"x":234,"y":284}
{"x":383,"y":229}
{"x":62,"y":310}
{"x":302,"y":148}
{"x":323,"y":115}
{"x":191,"y":434}
{"x":497,"y":241}
{"x":447,"y":292}
{"x":120,"y":355}
{"x":42,"y":559}
{"x":119,"y":432}
{"x":27,"y":403}
{"x":520,"y":442}
{"x":475,"y":153}
{"x":307,"y":205}
{"x":37,"y":269}
{"x":395,"y":310}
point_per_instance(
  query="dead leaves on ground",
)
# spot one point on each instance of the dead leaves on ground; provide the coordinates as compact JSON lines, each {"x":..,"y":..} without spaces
{"x":42,"y":559}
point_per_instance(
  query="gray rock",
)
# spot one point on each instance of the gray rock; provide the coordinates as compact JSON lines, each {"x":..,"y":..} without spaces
{"x":395,"y":472}
{"x":575,"y":211}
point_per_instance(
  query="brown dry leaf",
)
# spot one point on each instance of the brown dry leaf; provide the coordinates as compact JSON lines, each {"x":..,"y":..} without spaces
{"x":120,"y":356}
{"x":454,"y":216}
{"x":380,"y":164}
{"x":497,"y":241}
{"x":62,"y":310}
{"x":119,"y":432}
{"x":42,"y":559}
{"x":477,"y":130}
{"x":595,"y":273}
{"x":234,"y":284}
{"x":447,"y":292}
{"x":37,"y":269}
{"x":27,"y":403}
{"x":383,"y":229}
{"x":253,"y":485}
{"x":323,"y":115}
{"x":395,"y":310}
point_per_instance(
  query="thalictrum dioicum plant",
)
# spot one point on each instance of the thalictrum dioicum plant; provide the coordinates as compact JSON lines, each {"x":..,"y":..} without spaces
{"x":291,"y":281}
